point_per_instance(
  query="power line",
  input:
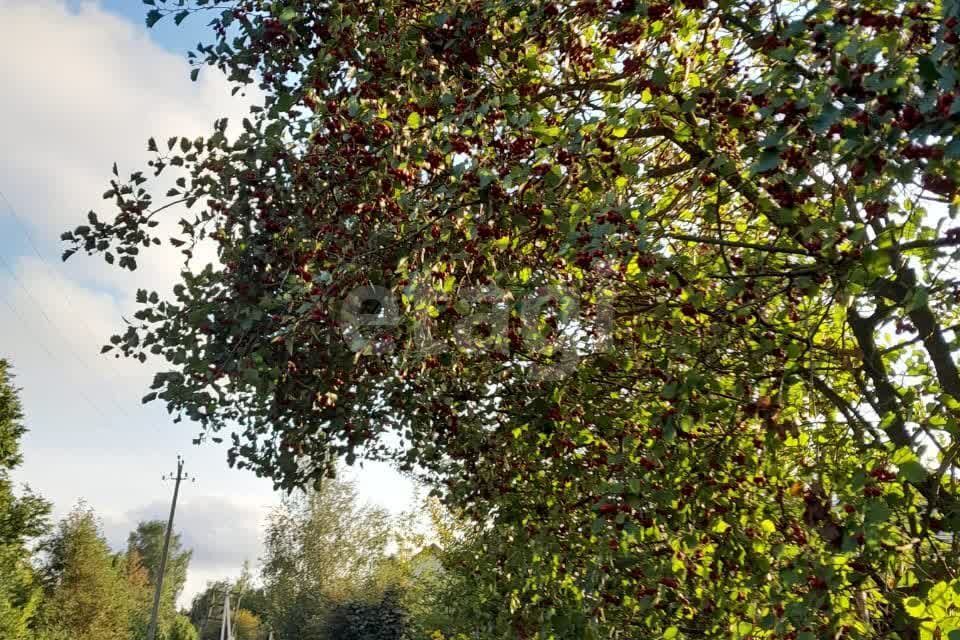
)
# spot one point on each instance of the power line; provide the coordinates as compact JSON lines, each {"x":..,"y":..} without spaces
{"x":56,"y":329}
{"x":53,"y":359}
{"x":30,"y":240}
{"x":23,"y":227}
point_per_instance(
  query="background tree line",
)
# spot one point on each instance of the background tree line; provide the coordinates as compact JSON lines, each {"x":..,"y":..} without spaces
{"x":64,"y":581}
{"x":333,"y":568}
{"x":337,"y":569}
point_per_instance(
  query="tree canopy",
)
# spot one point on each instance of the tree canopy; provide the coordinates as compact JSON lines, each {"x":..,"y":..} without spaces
{"x":21,"y":518}
{"x":146,"y":541}
{"x":249,"y":603}
{"x":659,"y":293}
{"x":182,"y":629}
{"x":88,"y":594}
{"x":72,"y":586}
{"x":322,"y":549}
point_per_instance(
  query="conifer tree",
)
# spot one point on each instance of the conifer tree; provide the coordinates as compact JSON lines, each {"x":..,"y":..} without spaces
{"x":146,"y":543}
{"x":21,"y":518}
{"x":88,"y":595}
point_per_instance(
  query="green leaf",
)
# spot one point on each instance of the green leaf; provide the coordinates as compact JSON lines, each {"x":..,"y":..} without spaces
{"x":553,"y":177}
{"x":927,"y":69}
{"x":827,"y":117}
{"x":720,"y":526}
{"x":153,"y":17}
{"x":285,"y":102}
{"x":914,"y":607}
{"x":876,"y":262}
{"x":599,"y":524}
{"x":913,"y":472}
{"x":952,"y":150}
{"x":766,"y":161}
{"x":783,"y":53}
{"x":916,"y":299}
{"x":660,"y":77}
{"x":877,"y":512}
{"x":413,"y":120}
{"x":548,"y":133}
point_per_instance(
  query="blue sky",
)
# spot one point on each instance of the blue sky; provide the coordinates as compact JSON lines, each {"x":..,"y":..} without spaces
{"x":167,"y":35}
{"x":86,"y":84}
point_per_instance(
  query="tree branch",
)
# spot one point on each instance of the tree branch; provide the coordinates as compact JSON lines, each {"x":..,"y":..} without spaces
{"x":930,"y":333}
{"x":929,"y":244}
{"x":888,"y":399}
{"x":734,"y":243}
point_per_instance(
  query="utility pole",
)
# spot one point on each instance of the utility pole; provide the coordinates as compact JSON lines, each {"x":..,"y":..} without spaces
{"x":226,"y":630}
{"x":152,"y":629}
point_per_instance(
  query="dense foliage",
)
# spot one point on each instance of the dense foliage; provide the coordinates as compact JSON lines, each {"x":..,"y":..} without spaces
{"x":385,"y":619}
{"x":88,"y":595}
{"x":146,"y":541}
{"x":659,"y":293}
{"x":93,"y":593}
{"x":249,"y":603}
{"x":328,"y":567}
{"x":21,"y":518}
{"x":182,"y":629}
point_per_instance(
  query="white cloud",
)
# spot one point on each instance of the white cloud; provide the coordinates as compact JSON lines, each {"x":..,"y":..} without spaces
{"x":222,"y":531}
{"x":83,"y":89}
{"x":87,"y":89}
{"x":70,"y":320}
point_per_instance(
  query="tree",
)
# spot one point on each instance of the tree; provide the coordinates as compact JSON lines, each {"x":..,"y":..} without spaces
{"x":250,"y":597}
{"x":243,"y":596}
{"x":321,"y":547}
{"x":205,"y":602}
{"x":87,"y":591}
{"x":657,"y":293}
{"x":254,"y":600}
{"x":140,"y":592}
{"x":301,"y":618}
{"x":147,"y":543}
{"x":385,"y":619}
{"x":247,"y":625}
{"x":21,"y":518}
{"x":182,"y":629}
{"x":20,"y":595}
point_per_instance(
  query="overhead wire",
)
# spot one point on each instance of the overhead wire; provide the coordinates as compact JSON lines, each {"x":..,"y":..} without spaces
{"x":24,"y":229}
{"x":43,"y":345}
